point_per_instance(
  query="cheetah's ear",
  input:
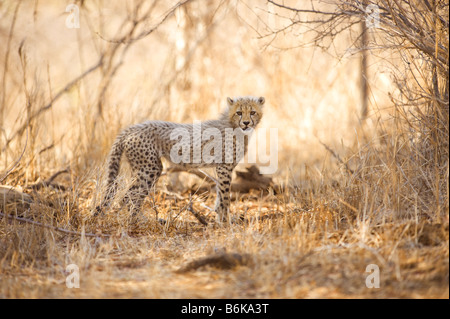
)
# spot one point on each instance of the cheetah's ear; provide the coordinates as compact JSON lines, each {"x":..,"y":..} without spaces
{"x":261,"y":100}
{"x":230,"y":101}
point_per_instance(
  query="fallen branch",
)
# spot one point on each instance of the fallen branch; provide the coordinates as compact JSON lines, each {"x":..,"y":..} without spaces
{"x":14,"y":198}
{"x":197,"y":215}
{"x":250,"y":179}
{"x":221,"y":261}
{"x":245,"y":181}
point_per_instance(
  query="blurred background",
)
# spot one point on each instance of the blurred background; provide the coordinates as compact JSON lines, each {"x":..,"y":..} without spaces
{"x":182,"y":71}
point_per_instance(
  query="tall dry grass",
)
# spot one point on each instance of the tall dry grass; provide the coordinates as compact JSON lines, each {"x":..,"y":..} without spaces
{"x":353,"y":193}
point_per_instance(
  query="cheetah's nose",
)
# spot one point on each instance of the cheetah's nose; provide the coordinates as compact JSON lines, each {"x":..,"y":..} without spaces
{"x":246,"y":122}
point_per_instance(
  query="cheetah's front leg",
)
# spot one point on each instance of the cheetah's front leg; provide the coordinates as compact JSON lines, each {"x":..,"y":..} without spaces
{"x":223,"y":186}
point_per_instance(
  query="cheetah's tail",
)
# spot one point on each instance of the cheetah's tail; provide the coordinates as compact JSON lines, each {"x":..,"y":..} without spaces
{"x":113,"y":167}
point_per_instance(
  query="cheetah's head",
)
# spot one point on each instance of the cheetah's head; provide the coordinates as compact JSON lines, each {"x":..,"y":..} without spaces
{"x":245,"y":112}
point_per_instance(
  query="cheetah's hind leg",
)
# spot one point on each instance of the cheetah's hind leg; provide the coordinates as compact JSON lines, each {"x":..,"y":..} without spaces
{"x":146,"y":173}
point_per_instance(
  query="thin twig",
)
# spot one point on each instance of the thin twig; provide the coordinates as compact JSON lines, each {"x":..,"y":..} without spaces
{"x":337,"y":157}
{"x":197,"y":215}
{"x":55,"y":98}
{"x":49,"y":181}
{"x":6,"y":64}
{"x":63,"y":230}
{"x":17,"y":162}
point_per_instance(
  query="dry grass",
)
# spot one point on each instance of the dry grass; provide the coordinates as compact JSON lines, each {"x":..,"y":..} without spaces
{"x":378,"y":195}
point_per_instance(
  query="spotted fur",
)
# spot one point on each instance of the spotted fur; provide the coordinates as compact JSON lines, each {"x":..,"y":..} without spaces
{"x":145,"y":144}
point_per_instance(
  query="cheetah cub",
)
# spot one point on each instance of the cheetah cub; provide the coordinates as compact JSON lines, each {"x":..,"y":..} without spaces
{"x":219,"y":143}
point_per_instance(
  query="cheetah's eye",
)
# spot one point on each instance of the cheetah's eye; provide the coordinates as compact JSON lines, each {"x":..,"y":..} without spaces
{"x":239,"y":113}
{"x":252,"y":113}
